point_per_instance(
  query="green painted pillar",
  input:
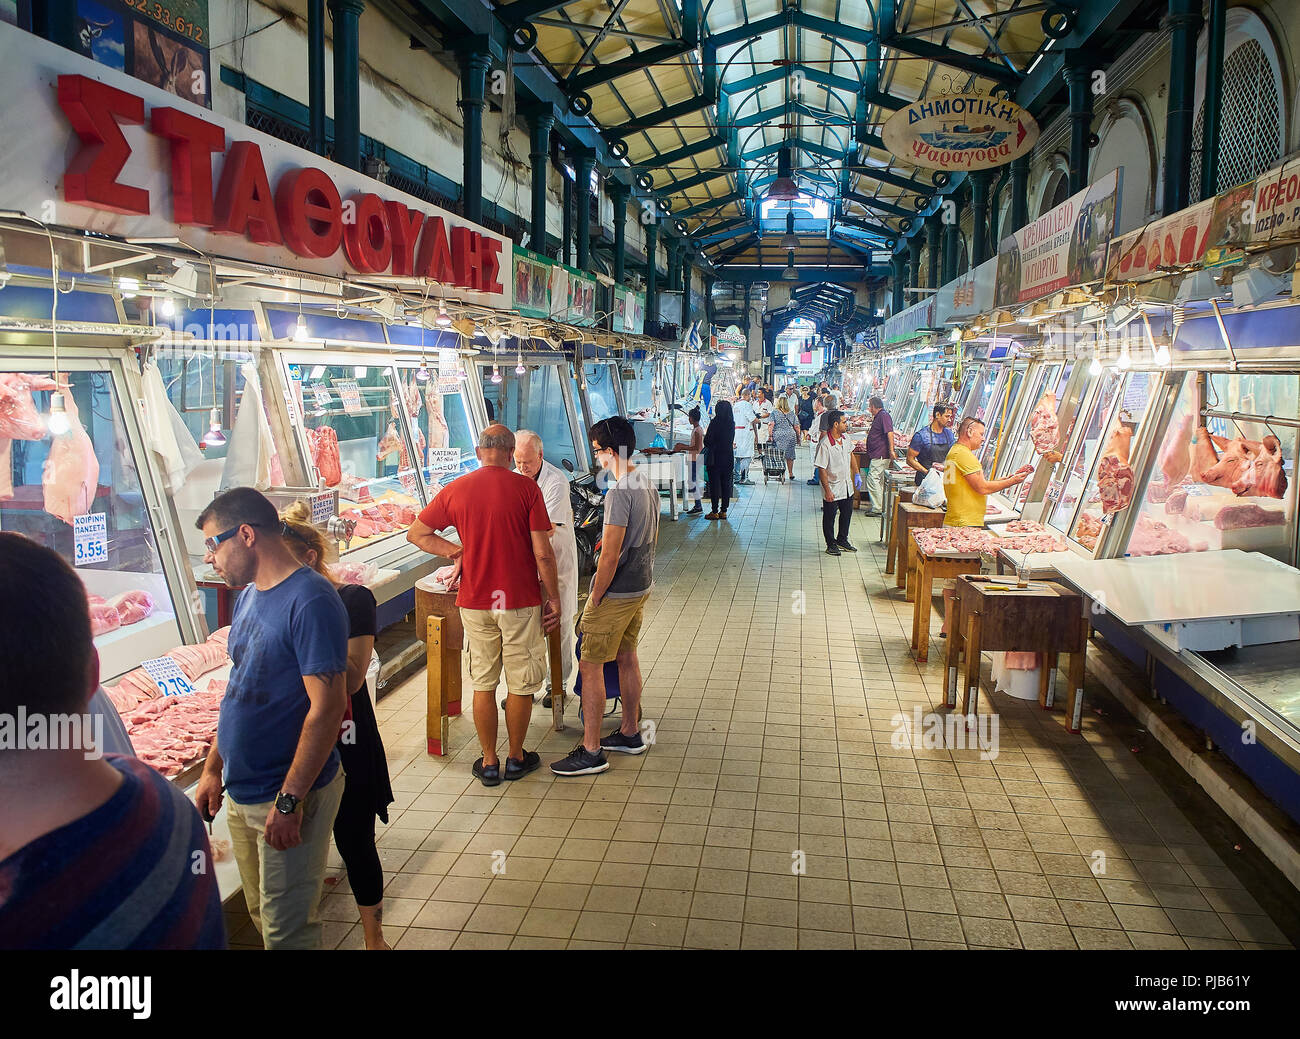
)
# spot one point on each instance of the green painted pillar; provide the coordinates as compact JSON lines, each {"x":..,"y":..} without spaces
{"x":474,"y":65}
{"x":685,"y":265}
{"x":1184,"y":24}
{"x":539,"y":154}
{"x":347,"y":83}
{"x":899,"y":263}
{"x":651,"y":273}
{"x":566,"y":230}
{"x":1213,"y":99}
{"x":914,"y":261}
{"x":1019,"y":194}
{"x":621,"y":194}
{"x":952,"y":242}
{"x":674,"y":257}
{"x":1078,"y":79}
{"x":933,"y":230}
{"x":586,"y":165}
{"x":980,"y":182}
{"x":316,"y":75}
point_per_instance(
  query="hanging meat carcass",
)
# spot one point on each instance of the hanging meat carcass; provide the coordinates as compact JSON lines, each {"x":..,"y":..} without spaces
{"x":1176,"y":454}
{"x":19,"y":419}
{"x":1270,"y":480}
{"x":1044,"y":431}
{"x":325,"y":454}
{"x":1114,"y":484}
{"x":1121,"y":439}
{"x":71,"y":475}
{"x":1245,"y":467}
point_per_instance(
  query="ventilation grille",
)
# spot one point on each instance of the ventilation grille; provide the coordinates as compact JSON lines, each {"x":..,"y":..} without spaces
{"x":1249,"y":136}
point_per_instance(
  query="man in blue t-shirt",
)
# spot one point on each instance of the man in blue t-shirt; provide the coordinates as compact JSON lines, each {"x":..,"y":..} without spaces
{"x":280,"y":718}
{"x":930,"y":444}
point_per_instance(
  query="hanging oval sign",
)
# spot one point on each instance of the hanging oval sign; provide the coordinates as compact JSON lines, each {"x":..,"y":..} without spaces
{"x":960,"y":132}
{"x":732,"y":336}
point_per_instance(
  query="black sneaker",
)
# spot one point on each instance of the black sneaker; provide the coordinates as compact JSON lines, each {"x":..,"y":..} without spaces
{"x":833,"y":550}
{"x":846,"y":546}
{"x":488,"y":775}
{"x":580,"y":762}
{"x":518,"y":769}
{"x":618,"y":742}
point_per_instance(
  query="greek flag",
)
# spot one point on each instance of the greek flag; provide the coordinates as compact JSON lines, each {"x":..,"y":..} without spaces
{"x":691,"y":340}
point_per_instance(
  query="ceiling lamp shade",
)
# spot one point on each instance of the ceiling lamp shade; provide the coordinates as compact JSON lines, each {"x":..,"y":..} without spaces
{"x":1198,"y":287}
{"x":790,"y":241}
{"x":1256,"y":285}
{"x":790,"y":274}
{"x":783,"y":188}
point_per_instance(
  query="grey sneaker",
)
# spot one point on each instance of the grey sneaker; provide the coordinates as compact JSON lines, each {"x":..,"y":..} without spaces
{"x":580,"y":762}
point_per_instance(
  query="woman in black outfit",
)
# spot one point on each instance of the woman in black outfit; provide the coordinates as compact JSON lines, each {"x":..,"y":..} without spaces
{"x":367,"y":790}
{"x":720,"y":457}
{"x":805,"y":410}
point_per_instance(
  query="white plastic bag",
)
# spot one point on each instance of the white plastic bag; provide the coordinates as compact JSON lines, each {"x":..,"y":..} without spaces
{"x":248,"y":457}
{"x":930,"y":493}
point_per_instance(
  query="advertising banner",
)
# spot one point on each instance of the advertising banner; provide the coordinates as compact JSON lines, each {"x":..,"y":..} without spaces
{"x":1063,"y":247}
{"x":1276,"y":217}
{"x":968,"y":295}
{"x":906,"y":324}
{"x":1164,"y":245}
{"x":165,"y":45}
{"x":532,"y":284}
{"x":104,"y":152}
{"x":629,"y":310}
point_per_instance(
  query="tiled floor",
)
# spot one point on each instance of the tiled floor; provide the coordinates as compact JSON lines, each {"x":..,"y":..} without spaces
{"x":775,"y":810}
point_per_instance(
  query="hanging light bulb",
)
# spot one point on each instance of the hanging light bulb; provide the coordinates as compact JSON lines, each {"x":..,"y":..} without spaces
{"x":443,"y":320}
{"x":1094,"y":369}
{"x":1162,"y":354}
{"x":168,"y":307}
{"x":519,"y":368}
{"x":58,"y":423}
{"x":213,"y":437}
{"x":1123,"y":362}
{"x":496,"y":374}
{"x":128,"y":287}
{"x":300,"y":329}
{"x":422,"y":373}
{"x":462,"y":375}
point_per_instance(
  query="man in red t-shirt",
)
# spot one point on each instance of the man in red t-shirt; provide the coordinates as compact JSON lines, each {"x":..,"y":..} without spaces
{"x":505,"y":545}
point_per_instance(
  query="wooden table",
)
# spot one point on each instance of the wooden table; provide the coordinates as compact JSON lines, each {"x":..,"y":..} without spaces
{"x":864,"y":464}
{"x":1045,"y":618}
{"x":925,"y":570}
{"x":438,"y":620}
{"x":889,"y":523}
{"x":909,"y":517}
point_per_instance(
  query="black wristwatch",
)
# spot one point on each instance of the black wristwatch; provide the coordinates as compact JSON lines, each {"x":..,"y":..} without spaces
{"x":287,"y":804}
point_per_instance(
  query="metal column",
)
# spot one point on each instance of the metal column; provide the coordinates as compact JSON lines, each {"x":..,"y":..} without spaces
{"x":566,"y":231}
{"x":899,"y":262}
{"x":621,"y":193}
{"x":1019,"y":194}
{"x":914,"y":262}
{"x":1078,"y":77}
{"x":539,"y":153}
{"x":933,"y":232}
{"x":980,"y":215}
{"x":651,"y":274}
{"x":952,"y":242}
{"x":1184,"y":24}
{"x":474,"y":65}
{"x":347,"y":85}
{"x":582,"y":198}
{"x":1213,"y":100}
{"x":316,"y":75}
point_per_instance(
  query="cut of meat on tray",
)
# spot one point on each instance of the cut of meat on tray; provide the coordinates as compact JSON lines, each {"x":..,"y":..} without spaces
{"x":1176,"y":502}
{"x":1088,"y":529}
{"x":133,"y":607}
{"x":103,"y":619}
{"x":1152,"y":538}
{"x":1239,"y":517}
{"x":1044,"y":431}
{"x":200,"y":659}
{"x":1114,"y":483}
{"x":325,"y":454}
{"x":174,"y":732}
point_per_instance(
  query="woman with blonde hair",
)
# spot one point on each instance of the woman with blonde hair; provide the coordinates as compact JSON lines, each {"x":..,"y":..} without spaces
{"x":367,"y":790}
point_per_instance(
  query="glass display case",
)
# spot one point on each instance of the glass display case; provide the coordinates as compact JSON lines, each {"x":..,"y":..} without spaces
{"x":91,"y":494}
{"x":1236,"y":491}
{"x":640,"y":382}
{"x":1040,"y":380}
{"x":604,"y":395}
{"x":1002,"y":409}
{"x":541,"y":399}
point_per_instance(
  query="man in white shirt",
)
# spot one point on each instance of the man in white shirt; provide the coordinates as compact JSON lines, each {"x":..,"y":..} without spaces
{"x":835,"y":470}
{"x":745,"y":417}
{"x":554,"y":485}
{"x":763,"y":409}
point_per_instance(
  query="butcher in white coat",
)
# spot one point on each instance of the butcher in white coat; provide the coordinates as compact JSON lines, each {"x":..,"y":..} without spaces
{"x":554,"y":485}
{"x":744,"y":444}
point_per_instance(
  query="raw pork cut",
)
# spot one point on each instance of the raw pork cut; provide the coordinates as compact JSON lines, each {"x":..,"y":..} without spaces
{"x":1043,"y":428}
{"x":1176,"y":454}
{"x":325,"y":454}
{"x":1115,"y":483}
{"x":352,"y":573}
{"x":1237,"y":517}
{"x":71,"y":475}
{"x":19,"y":419}
{"x":199,"y":659}
{"x":220,"y":635}
{"x":1151,"y":538}
{"x":103,"y":618}
{"x":1121,"y":439}
{"x":1270,"y":481}
{"x":1088,"y":529}
{"x":133,"y":607}
{"x":1176,"y":502}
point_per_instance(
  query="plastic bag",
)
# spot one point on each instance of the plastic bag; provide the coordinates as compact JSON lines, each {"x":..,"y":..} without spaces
{"x":930,"y":493}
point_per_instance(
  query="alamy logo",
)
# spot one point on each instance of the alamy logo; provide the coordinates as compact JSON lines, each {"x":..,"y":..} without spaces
{"x":23,"y":731}
{"x":949,"y":731}
{"x":92,"y":992}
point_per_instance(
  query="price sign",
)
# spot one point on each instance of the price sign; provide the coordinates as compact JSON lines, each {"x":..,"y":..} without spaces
{"x":322,"y":397}
{"x":444,"y":459}
{"x":350,"y":394}
{"x":322,"y":508}
{"x":90,"y":539}
{"x":448,"y":384}
{"x":1053,"y":491}
{"x":448,"y":362}
{"x":168,"y":676}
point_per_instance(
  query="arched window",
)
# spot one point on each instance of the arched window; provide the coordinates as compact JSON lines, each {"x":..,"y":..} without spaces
{"x":1056,"y":185}
{"x":1251,"y":131}
{"x":1126,"y":143}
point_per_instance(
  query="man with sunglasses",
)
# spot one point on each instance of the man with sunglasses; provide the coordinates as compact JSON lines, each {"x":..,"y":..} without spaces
{"x":275,"y":748}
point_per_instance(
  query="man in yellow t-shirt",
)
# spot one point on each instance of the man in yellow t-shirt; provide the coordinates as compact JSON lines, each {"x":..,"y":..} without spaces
{"x":967,"y":490}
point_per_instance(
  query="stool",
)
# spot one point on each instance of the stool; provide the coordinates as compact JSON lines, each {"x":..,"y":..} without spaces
{"x":1045,"y":618}
{"x":925,"y":569}
{"x":438,"y":620}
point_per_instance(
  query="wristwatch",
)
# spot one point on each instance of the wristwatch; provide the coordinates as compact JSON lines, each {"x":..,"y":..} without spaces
{"x":287,"y":804}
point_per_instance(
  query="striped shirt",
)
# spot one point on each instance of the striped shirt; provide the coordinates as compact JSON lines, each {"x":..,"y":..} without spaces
{"x":126,"y":876}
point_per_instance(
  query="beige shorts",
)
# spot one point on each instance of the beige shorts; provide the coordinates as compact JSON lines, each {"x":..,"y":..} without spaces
{"x":513,"y":639}
{"x":611,"y":628}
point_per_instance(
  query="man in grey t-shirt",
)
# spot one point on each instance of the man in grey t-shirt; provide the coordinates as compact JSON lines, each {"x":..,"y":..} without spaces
{"x":611,"y":619}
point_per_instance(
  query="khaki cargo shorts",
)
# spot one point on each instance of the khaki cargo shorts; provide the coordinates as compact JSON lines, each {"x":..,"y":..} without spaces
{"x":513,"y":639}
{"x":611,"y":628}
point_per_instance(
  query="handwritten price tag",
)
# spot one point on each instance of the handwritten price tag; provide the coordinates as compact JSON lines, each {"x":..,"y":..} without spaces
{"x":322,"y":508}
{"x":350,"y":394}
{"x":168,"y":676}
{"x":90,"y":539}
{"x":444,"y":459}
